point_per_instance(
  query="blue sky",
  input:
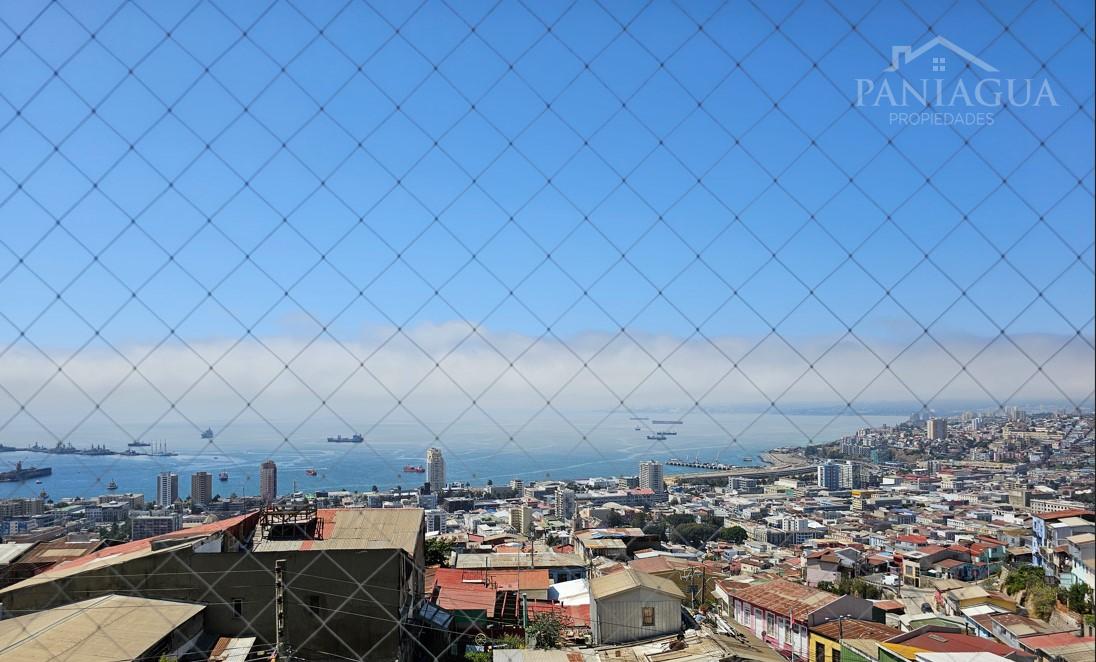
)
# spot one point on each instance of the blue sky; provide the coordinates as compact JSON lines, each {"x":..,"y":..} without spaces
{"x":693,"y":172}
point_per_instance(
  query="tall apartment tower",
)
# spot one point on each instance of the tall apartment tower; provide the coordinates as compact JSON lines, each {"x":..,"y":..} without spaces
{"x":435,"y":470}
{"x":201,"y":488}
{"x":167,"y":489}
{"x":268,"y":481}
{"x":829,"y":475}
{"x":565,"y":503}
{"x":937,"y":428}
{"x":521,"y":519}
{"x":650,"y":476}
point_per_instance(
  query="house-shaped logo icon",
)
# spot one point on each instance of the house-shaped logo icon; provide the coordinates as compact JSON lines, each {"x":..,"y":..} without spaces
{"x":901,"y":55}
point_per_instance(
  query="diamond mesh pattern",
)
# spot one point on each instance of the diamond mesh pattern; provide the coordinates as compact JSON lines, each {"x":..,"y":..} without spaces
{"x":520,"y":223}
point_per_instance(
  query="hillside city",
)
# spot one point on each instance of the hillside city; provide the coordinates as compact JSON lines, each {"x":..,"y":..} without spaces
{"x":970,"y":534}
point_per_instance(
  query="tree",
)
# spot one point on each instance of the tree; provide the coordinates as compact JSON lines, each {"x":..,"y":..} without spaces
{"x":545,"y":630}
{"x":1076,"y":597}
{"x":695,"y":534}
{"x":735,"y":534}
{"x":437,"y":551}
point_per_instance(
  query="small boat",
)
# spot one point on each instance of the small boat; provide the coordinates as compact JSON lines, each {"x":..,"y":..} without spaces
{"x":413,"y":469}
{"x":112,"y":485}
{"x":37,"y":482}
{"x":747,"y":459}
{"x":223,"y":476}
{"x":310,"y":472}
{"x":638,"y":428}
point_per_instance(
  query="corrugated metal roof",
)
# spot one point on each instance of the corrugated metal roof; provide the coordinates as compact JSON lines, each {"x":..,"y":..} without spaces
{"x":11,"y":551}
{"x":358,"y":528}
{"x":112,"y":627}
{"x":628,"y":579}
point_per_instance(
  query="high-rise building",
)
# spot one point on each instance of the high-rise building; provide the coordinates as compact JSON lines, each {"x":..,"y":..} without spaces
{"x":268,"y":481}
{"x":435,"y":469}
{"x":565,"y":503}
{"x":167,"y":489}
{"x":829,"y":475}
{"x":521,"y":518}
{"x":937,"y":428}
{"x":650,"y":476}
{"x":435,"y":520}
{"x":850,"y":477}
{"x":201,"y":488}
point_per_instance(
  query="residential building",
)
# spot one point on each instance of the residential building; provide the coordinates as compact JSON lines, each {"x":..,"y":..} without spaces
{"x":781,"y":612}
{"x":167,"y":489}
{"x":521,"y":519}
{"x":937,"y":429}
{"x":323,"y":549}
{"x":565,"y":503}
{"x":435,"y":469}
{"x":826,"y":638}
{"x":630,"y":605}
{"x":147,"y":524}
{"x":201,"y":488}
{"x":651,"y":476}
{"x":829,"y":475}
{"x":109,"y":627}
{"x":268,"y":481}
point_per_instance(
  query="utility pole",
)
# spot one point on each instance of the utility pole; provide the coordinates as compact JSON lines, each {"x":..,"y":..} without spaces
{"x":281,"y":645}
{"x":525,"y":616}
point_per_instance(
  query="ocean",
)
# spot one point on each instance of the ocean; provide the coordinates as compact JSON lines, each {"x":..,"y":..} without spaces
{"x":538,"y":452}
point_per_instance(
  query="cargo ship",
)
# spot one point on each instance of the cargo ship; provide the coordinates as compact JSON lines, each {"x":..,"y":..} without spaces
{"x":413,"y":469}
{"x":310,"y":472}
{"x":19,"y":474}
{"x":207,"y":433}
{"x":356,"y":439}
{"x":223,"y":476}
{"x":138,"y":444}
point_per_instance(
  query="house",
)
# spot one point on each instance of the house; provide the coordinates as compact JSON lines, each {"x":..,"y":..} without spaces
{"x":632,"y":605}
{"x":825,"y":639}
{"x":830,"y":565}
{"x":779,"y":612}
{"x":110,"y":627}
{"x":229,"y":565}
{"x":1049,"y":530}
{"x":907,"y":646}
{"x":1082,"y":559}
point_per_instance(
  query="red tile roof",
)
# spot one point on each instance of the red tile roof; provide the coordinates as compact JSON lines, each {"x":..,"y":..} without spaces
{"x":1062,"y":514}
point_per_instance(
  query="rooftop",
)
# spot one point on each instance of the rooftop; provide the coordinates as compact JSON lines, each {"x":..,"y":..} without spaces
{"x":104,"y":628}
{"x":628,"y":579}
{"x":784,"y":597}
{"x":837,"y":630}
{"x":356,"y":529}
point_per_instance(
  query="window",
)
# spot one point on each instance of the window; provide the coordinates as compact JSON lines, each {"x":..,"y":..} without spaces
{"x":819,"y":652}
{"x":648,"y":616}
{"x":836,"y":657}
{"x":769,"y":623}
{"x":315,"y":604}
{"x":237,"y":607}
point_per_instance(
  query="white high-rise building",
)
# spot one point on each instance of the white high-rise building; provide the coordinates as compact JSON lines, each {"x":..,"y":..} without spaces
{"x":650,"y":476}
{"x":167,"y":489}
{"x":435,"y":469}
{"x":565,"y":503}
{"x":850,"y":476}
{"x":268,"y":481}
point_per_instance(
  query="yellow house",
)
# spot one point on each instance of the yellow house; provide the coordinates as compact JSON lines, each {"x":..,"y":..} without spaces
{"x":825,"y":639}
{"x":972,"y":596}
